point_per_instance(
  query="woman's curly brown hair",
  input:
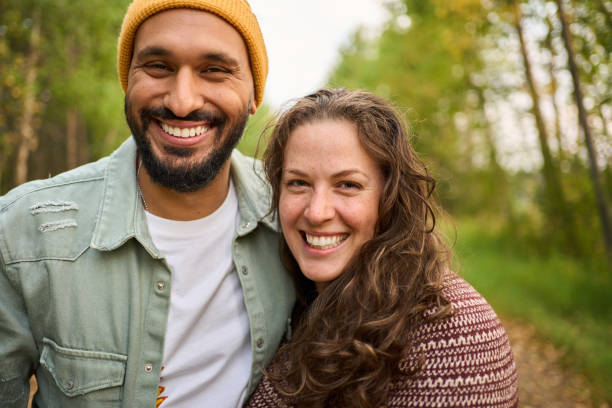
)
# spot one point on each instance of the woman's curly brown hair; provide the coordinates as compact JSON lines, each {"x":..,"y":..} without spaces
{"x":349,"y":341}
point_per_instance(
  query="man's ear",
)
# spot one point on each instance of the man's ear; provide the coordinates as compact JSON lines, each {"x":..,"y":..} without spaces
{"x":253,"y":108}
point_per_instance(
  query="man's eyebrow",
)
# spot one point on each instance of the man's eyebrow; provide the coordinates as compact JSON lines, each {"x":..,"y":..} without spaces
{"x":218,"y":57}
{"x":221,"y":58}
{"x":152,"y":51}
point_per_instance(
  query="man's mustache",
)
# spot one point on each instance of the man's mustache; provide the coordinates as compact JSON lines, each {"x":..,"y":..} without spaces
{"x":195,"y":116}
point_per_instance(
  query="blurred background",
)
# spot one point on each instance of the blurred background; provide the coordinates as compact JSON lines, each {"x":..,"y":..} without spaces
{"x":510,"y":104}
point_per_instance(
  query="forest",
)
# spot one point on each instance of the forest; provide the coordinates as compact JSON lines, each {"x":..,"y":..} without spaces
{"x":510,"y":105}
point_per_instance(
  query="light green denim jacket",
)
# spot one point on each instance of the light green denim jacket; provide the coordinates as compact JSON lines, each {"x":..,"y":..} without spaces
{"x":84,"y":293}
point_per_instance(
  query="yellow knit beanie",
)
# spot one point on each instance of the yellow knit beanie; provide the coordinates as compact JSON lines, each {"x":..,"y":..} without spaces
{"x":236,"y":12}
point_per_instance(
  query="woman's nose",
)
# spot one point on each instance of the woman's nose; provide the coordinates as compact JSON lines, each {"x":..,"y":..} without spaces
{"x":320,"y":208}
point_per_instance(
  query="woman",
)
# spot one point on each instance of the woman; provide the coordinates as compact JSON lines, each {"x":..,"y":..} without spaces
{"x":383,"y":322}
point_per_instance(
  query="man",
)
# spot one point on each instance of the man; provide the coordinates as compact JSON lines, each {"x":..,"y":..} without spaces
{"x":151,"y":277}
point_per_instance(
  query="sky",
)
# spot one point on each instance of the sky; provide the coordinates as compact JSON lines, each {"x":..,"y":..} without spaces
{"x":303,"y":39}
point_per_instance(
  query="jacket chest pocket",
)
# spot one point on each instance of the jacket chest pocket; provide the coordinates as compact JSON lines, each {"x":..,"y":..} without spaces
{"x":83,"y":375}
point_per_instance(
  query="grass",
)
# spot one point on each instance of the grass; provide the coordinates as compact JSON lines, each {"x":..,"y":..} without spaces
{"x":567,"y":300}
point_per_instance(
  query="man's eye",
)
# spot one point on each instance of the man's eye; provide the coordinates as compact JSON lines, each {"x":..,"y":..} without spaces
{"x":157,"y":67}
{"x":216,"y":70}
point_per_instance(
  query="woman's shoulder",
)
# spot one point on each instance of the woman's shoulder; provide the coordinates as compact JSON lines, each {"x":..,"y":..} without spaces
{"x":471,"y":318}
{"x":464,"y":359}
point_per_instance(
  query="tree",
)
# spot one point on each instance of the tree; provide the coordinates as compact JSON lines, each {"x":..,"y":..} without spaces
{"x":555,"y":196}
{"x":26,"y":129}
{"x":60,"y":100}
{"x":604,"y":212}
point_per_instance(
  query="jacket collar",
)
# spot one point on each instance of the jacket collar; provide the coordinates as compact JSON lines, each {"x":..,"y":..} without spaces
{"x":253,"y":191}
{"x":122,"y":217}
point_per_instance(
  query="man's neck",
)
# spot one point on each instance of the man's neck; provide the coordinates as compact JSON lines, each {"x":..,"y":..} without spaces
{"x":173,"y":205}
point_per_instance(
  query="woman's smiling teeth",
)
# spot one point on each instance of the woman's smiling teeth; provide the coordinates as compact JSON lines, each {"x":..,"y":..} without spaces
{"x":183,"y":132}
{"x":325,"y":242}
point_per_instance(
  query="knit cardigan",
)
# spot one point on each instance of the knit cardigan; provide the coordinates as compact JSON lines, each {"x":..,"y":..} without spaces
{"x":468,"y":361}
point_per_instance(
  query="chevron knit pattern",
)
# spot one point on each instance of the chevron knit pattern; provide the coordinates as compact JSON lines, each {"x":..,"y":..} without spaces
{"x":468,"y":361}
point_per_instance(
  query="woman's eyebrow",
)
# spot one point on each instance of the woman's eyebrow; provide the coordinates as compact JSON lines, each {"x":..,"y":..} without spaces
{"x":340,"y":174}
{"x":348,"y":172}
{"x":294,"y":172}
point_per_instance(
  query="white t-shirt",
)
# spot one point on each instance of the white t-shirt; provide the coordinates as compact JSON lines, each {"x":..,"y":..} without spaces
{"x":207,"y":349}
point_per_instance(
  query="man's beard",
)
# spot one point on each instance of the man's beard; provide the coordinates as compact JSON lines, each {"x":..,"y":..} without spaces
{"x":189,"y":177}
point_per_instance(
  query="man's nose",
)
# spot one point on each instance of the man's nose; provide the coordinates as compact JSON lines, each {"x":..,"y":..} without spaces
{"x":320,"y":208}
{"x":185,"y":96}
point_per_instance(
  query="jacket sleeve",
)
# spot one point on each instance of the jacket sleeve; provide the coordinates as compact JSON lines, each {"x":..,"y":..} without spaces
{"x":17,"y":347}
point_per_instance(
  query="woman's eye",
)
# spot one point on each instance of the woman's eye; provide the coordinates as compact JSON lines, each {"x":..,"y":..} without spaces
{"x":349,"y":185}
{"x":296,"y":183}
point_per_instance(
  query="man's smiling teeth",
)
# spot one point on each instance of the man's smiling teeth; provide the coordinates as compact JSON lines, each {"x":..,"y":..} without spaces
{"x":184,"y":132}
{"x":325,"y":242}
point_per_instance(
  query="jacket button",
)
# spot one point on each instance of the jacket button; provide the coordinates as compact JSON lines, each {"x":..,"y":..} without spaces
{"x":161,"y":285}
{"x":148,"y":368}
{"x":69,"y":384}
{"x":260,"y":343}
{"x":244,"y":270}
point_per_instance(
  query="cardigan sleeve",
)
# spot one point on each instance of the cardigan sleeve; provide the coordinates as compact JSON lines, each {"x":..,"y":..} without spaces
{"x":465,"y":360}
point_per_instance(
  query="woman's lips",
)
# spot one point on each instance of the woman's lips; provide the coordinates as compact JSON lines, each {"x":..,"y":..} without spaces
{"x":326,"y":241}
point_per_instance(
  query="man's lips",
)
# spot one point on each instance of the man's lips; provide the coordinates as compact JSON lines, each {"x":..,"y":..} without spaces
{"x":184,"y":131}
{"x":184,"y":136}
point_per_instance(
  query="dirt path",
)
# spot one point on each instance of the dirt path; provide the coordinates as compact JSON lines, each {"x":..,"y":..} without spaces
{"x":542,"y":380}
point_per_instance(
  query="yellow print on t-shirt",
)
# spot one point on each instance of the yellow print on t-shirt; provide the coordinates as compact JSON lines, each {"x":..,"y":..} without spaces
{"x":160,"y":398}
{"x":160,"y":390}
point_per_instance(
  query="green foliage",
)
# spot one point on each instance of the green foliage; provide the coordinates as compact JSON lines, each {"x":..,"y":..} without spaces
{"x":13,"y":42}
{"x":567,"y":300}
{"x":75,"y":72}
{"x":253,"y":140}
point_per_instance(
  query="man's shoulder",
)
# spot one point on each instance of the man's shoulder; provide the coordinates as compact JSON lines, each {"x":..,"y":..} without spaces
{"x":51,"y":218}
{"x":69,"y":181}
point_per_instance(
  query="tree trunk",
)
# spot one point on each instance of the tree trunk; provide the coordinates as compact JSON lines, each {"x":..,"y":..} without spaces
{"x":607,"y":171}
{"x":71,"y":139}
{"x":486,"y":128}
{"x":604,"y":212}
{"x":499,"y":181}
{"x":553,"y":91}
{"x":555,"y":196}
{"x":26,"y":128}
{"x":83,"y":143}
{"x":604,"y":124}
